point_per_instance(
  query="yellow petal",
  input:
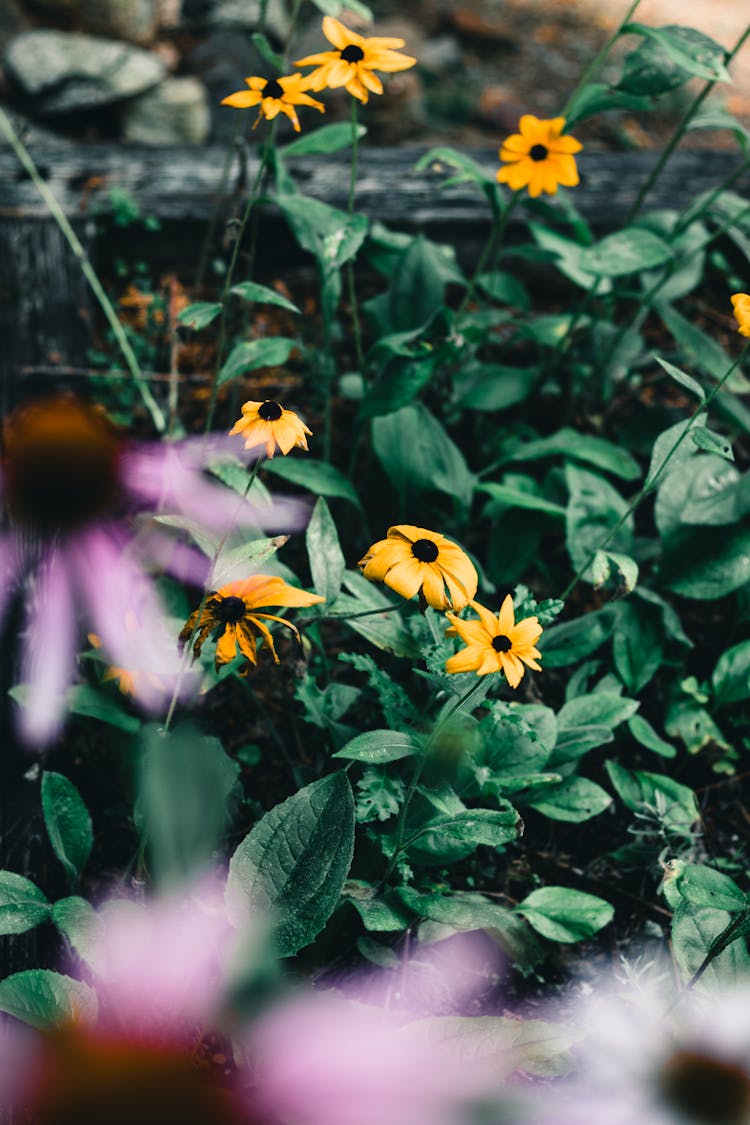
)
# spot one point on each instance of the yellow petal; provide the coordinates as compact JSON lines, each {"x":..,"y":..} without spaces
{"x":405,"y":577}
{"x":226,"y":649}
{"x":243,"y":99}
{"x":506,"y":617}
{"x":433,"y":588}
{"x":467,"y":660}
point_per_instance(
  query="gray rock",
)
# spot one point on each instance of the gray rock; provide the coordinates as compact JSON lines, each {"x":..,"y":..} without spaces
{"x":133,"y":20}
{"x":238,"y":13}
{"x":175,"y":112}
{"x":64,"y":72}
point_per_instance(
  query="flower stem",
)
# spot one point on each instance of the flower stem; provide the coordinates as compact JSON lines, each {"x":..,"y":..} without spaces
{"x":416,"y":775}
{"x":651,"y":481}
{"x":598,"y":60}
{"x":24,"y":157}
{"x":679,"y":132}
{"x":353,"y":304}
{"x":500,"y":222}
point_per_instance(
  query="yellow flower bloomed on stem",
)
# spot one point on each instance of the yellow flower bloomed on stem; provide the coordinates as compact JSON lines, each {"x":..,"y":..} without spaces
{"x":354,"y":61}
{"x":275,"y":96}
{"x":539,"y":157}
{"x":268,"y":423}
{"x":232,"y":615}
{"x":495,"y":643}
{"x":413,"y":559}
{"x":741,"y":306}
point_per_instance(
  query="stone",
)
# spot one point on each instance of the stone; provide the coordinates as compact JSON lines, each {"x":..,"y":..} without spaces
{"x":238,"y":13}
{"x":176,"y":112}
{"x":69,"y":72}
{"x":136,"y":21}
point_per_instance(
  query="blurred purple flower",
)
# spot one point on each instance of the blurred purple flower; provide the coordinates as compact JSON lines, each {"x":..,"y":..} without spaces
{"x":158,"y":1051}
{"x":72,"y":486}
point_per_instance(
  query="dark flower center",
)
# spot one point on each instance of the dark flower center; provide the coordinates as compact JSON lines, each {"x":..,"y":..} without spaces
{"x":230,"y":610}
{"x":425,"y":550}
{"x":273,"y":89}
{"x":501,"y":643}
{"x":61,"y":465}
{"x":270,"y":411}
{"x":88,"y":1082}
{"x":706,"y":1090}
{"x":538,"y":152}
{"x":352,"y":53}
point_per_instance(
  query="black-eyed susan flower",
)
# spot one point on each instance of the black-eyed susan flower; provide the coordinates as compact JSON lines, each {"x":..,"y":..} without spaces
{"x":274,"y":96}
{"x":232,"y":616}
{"x":268,"y":423}
{"x":354,"y":61}
{"x":741,"y":306}
{"x":495,"y":643}
{"x":539,"y":156}
{"x":413,"y":560}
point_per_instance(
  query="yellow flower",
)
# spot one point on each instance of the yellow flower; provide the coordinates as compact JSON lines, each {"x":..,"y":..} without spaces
{"x":134,"y":683}
{"x":274,"y":96}
{"x":354,"y":62}
{"x":231,"y":615}
{"x":539,"y":157}
{"x":495,"y":643}
{"x":270,"y":424}
{"x":411,"y":559}
{"x":741,"y":306}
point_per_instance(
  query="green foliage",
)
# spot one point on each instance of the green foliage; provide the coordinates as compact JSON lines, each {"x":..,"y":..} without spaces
{"x":45,"y":999}
{"x":68,"y":823}
{"x":22,"y":904}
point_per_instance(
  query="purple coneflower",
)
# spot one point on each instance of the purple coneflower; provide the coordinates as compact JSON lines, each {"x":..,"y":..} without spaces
{"x":71,"y":485}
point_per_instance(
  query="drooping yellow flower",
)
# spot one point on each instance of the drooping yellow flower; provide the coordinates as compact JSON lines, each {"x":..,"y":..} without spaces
{"x":413,"y":559}
{"x":354,"y":61}
{"x":232,"y":616}
{"x":274,"y":96}
{"x":495,"y":643}
{"x":268,"y":423}
{"x":539,"y":157}
{"x":741,"y":306}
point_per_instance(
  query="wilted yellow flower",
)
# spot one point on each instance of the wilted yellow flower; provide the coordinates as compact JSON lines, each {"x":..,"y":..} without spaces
{"x":495,"y":643}
{"x":268,"y":423}
{"x":539,"y":157}
{"x":354,"y":61}
{"x":741,"y":306}
{"x":274,"y":96}
{"x":231,"y":615}
{"x":411,"y":559}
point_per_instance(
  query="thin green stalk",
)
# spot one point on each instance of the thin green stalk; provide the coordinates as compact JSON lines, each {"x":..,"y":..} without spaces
{"x":24,"y":157}
{"x":493,"y":241}
{"x":598,"y":61}
{"x":679,"y":133}
{"x":204,"y":597}
{"x":221,"y":343}
{"x":353,"y":303}
{"x":651,"y":481}
{"x":416,"y":775}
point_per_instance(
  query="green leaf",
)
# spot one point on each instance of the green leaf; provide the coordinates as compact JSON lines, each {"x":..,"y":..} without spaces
{"x":703,"y":886}
{"x":713,"y":443}
{"x":626,"y":251}
{"x":323,"y":141}
{"x":418,"y":456}
{"x":513,"y":748}
{"x":295,"y":861}
{"x":416,"y":291}
{"x":510,"y":497}
{"x":179,"y":769}
{"x":385,"y":630}
{"x":638,"y":643}
{"x":598,"y":98}
{"x":336,"y":7}
{"x":317,"y":476}
{"x":332,"y":236}
{"x":601,"y":708}
{"x":82,"y":928}
{"x":465,"y":911}
{"x":22,"y":904}
{"x":706,"y":567}
{"x":83,"y":699}
{"x":379,"y":746}
{"x":243,"y":557}
{"x":576,"y":799}
{"x":699,"y":348}
{"x":492,"y":827}
{"x":675,"y":802}
{"x":200,"y":314}
{"x":262,"y":295}
{"x":397,"y":386}
{"x":267,"y":53}
{"x":594,"y":509}
{"x":682,"y":378}
{"x":505,"y":288}
{"x":380,"y":914}
{"x":671,"y":449}
{"x":68,"y":823}
{"x":651,"y":69}
{"x":573,"y":641}
{"x":469,"y":170}
{"x":695,"y":53}
{"x":581,"y":447}
{"x":643,"y":732}
{"x":569,"y":255}
{"x":268,"y":351}
{"x":731,"y":676}
{"x":46,"y":1000}
{"x":694,"y":932}
{"x":626,"y":567}
{"x":491,"y":386}
{"x":565,"y":915}
{"x":327,"y":563}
